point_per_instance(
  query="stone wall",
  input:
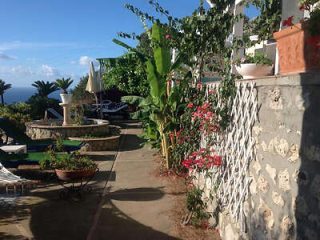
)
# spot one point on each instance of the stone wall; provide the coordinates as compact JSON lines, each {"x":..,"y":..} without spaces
{"x":99,"y":144}
{"x":283,"y":200}
{"x":41,"y":130}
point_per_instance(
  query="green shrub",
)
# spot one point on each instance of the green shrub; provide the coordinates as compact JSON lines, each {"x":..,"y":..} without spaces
{"x":18,"y":113}
{"x":73,"y":161}
{"x":197,"y":206}
{"x":258,"y":58}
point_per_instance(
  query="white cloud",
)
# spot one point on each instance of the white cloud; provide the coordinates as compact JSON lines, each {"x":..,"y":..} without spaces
{"x":49,"y":71}
{"x":21,"y":70}
{"x":6,"y":57}
{"x":85,"y":61}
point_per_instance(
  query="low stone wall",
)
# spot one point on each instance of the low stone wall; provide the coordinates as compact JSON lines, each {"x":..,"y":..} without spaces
{"x":53,"y":130}
{"x":98,"y":144}
{"x":283,"y":200}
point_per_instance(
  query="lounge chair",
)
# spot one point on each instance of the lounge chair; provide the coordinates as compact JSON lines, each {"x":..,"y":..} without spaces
{"x":114,"y":107}
{"x":12,"y":182}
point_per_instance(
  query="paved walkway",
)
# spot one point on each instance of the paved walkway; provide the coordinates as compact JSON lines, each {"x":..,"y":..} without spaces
{"x":128,"y":202}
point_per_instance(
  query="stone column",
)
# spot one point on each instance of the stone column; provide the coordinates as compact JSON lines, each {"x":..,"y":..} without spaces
{"x":66,"y":113}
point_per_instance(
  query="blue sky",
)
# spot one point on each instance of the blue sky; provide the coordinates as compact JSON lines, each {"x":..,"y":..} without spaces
{"x":48,"y":39}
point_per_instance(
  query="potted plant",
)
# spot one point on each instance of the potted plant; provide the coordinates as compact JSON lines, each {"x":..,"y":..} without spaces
{"x":69,"y":167}
{"x":64,"y":84}
{"x":299,"y":44}
{"x":253,"y":66}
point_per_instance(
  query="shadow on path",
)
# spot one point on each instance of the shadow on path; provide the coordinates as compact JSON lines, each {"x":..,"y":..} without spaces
{"x":132,"y":142}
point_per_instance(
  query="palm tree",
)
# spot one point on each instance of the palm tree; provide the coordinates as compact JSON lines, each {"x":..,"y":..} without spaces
{"x":45,"y":88}
{"x":63,"y":84}
{"x":3,"y":87}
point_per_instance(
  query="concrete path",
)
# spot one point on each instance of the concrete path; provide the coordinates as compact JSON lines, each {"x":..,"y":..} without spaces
{"x":128,"y":202}
{"x":137,"y":204}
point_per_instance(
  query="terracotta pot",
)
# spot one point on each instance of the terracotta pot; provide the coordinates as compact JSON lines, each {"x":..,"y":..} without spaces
{"x":296,"y":54}
{"x":67,"y":175}
{"x":252,"y":70}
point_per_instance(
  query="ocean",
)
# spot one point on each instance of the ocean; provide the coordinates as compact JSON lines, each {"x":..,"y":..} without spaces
{"x":22,"y":94}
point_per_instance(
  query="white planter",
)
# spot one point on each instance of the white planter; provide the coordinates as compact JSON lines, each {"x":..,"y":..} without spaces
{"x":252,"y":70}
{"x":66,"y":98}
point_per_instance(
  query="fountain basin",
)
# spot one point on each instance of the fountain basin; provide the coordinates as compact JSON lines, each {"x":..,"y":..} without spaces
{"x":53,"y":129}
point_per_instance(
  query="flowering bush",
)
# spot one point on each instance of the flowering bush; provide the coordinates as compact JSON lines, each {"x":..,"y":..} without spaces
{"x":202,"y":159}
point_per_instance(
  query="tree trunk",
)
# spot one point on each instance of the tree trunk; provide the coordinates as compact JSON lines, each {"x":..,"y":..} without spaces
{"x":2,"y":101}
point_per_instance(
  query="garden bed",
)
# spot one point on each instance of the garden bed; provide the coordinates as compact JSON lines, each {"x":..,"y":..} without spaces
{"x":100,"y":141}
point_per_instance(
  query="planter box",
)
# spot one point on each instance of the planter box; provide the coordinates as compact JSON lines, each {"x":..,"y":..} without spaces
{"x":296,"y":54}
{"x":252,"y":70}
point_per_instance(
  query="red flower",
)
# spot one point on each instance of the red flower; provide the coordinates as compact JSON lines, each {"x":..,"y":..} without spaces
{"x":217,"y":160}
{"x":288,"y":22}
{"x":199,"y":85}
{"x":168,"y":36}
{"x":190,"y":105}
{"x":314,"y":41}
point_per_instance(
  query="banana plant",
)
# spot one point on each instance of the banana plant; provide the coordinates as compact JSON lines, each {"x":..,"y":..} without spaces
{"x":160,"y":107}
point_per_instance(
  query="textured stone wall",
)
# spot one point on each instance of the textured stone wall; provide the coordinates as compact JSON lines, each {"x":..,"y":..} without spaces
{"x":38,"y":130}
{"x":285,"y":190}
{"x":99,"y":144}
{"x":283,"y":200}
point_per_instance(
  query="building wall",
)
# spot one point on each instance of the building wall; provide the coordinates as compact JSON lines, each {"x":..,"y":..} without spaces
{"x":283,"y":200}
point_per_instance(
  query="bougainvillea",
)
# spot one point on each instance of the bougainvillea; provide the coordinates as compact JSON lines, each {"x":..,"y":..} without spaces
{"x":202,"y":159}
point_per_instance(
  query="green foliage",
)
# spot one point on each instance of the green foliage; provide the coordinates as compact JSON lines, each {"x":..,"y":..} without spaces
{"x":79,"y":93}
{"x":127,"y":74}
{"x":18,"y":114}
{"x":197,"y":206}
{"x":73,"y":161}
{"x":3,"y":88}
{"x":44,"y":88}
{"x":268,"y":20}
{"x":63,"y":84}
{"x":314,"y":21}
{"x":59,"y":146}
{"x":78,"y":114}
{"x":39,"y":104}
{"x":258,"y":58}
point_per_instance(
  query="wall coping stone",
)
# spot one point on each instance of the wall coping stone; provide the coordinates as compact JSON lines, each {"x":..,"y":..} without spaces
{"x":300,"y":79}
{"x":37,"y":124}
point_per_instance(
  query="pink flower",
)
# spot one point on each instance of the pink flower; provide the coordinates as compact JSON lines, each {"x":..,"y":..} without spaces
{"x":190,"y":105}
{"x":199,"y":85}
{"x":168,"y":36}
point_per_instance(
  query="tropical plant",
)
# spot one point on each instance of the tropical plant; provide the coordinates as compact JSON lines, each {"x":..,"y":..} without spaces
{"x":18,"y":113}
{"x":73,"y":161}
{"x":39,"y":104}
{"x":159,"y":108}
{"x":44,"y":88}
{"x":127,"y":74}
{"x":63,"y":84}
{"x":3,"y":88}
{"x":163,"y":110}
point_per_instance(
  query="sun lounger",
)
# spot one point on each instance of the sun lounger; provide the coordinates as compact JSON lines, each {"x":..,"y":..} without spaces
{"x":114,"y":107}
{"x":12,"y":182}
